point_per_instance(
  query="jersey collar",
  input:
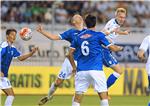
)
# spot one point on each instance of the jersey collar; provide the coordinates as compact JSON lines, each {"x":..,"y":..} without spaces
{"x":117,"y":21}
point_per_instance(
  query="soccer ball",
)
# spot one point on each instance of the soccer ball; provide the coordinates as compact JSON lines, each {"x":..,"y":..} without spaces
{"x":25,"y":33}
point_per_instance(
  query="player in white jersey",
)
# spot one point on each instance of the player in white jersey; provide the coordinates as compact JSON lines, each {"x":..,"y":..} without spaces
{"x":112,"y":30}
{"x":66,"y":70}
{"x":145,"y":45}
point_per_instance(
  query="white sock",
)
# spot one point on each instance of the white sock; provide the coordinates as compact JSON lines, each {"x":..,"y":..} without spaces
{"x":104,"y":102}
{"x":117,"y":75}
{"x":72,"y":99}
{"x":75,"y":103}
{"x":52,"y":89}
{"x":9,"y":101}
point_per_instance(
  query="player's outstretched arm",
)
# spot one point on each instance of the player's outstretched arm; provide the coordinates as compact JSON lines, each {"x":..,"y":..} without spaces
{"x":116,"y":30}
{"x":123,"y":32}
{"x":25,"y":56}
{"x":115,"y":48}
{"x":71,"y":59}
{"x":47,"y":34}
{"x":140,"y":55}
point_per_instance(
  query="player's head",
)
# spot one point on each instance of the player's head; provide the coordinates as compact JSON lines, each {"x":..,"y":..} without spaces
{"x":90,"y":21}
{"x":77,"y":20}
{"x":11,"y":35}
{"x":120,"y":15}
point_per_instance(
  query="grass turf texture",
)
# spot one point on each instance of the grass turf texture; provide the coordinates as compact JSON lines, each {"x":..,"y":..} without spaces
{"x":32,"y":100}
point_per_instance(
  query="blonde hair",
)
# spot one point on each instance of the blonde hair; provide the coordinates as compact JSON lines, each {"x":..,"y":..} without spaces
{"x":122,"y":10}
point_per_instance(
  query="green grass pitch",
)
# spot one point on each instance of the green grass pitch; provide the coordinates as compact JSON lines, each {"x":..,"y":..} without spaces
{"x":32,"y":100}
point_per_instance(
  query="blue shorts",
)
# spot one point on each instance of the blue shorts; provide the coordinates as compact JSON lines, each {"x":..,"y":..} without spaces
{"x":108,"y":59}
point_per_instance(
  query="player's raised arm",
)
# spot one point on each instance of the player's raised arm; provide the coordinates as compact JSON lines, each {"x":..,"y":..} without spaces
{"x":115,"y":48}
{"x":25,"y":56}
{"x":121,"y":32}
{"x":143,"y":48}
{"x":47,"y":34}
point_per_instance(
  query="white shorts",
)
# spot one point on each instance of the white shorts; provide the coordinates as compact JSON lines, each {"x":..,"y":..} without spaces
{"x":4,"y":83}
{"x":148,"y":68}
{"x":66,"y":70}
{"x":84,"y":79}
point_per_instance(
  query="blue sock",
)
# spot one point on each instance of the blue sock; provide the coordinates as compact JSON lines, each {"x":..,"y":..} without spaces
{"x":111,"y":80}
{"x":149,"y":82}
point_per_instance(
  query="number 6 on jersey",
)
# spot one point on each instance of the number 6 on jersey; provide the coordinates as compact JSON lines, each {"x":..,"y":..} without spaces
{"x":85,"y":48}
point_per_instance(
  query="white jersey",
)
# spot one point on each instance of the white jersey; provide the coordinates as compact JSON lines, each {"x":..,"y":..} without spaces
{"x":109,"y":27}
{"x":145,"y":46}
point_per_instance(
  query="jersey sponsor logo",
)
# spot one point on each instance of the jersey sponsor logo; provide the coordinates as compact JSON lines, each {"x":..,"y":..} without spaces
{"x":85,"y":36}
{"x":75,"y":33}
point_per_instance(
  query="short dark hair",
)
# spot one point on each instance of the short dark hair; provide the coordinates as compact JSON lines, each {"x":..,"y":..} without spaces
{"x":90,"y":21}
{"x":8,"y":31}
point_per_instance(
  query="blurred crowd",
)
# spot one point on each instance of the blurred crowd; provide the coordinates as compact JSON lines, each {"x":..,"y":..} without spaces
{"x":47,"y":11}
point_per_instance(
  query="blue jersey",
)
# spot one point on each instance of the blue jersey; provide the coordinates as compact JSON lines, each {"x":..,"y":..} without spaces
{"x":69,"y":36}
{"x":7,"y":53}
{"x":89,"y":43}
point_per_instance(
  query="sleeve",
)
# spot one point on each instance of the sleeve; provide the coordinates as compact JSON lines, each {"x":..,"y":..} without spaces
{"x":2,"y":50}
{"x":103,"y":40}
{"x":65,"y":35}
{"x":16,"y":53}
{"x":144,"y":45}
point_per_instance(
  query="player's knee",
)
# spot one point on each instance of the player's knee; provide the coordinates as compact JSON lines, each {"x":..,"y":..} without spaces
{"x":58,"y":82}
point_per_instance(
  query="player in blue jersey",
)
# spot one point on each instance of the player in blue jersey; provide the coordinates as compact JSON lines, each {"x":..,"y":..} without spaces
{"x":8,"y":51}
{"x":112,"y":30}
{"x":66,"y":70}
{"x":89,"y":62}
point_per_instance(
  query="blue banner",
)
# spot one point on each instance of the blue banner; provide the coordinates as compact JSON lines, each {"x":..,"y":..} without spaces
{"x":129,"y":53}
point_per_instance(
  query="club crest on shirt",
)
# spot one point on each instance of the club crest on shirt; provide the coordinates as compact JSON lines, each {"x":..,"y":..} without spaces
{"x":12,"y":52}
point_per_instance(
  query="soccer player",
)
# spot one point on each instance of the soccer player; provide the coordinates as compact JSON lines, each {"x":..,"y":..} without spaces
{"x":89,"y":62}
{"x":112,"y":30}
{"x":66,"y":70}
{"x":145,"y":45}
{"x":8,"y":51}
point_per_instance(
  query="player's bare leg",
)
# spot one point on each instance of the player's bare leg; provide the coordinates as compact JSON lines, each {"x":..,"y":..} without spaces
{"x":51,"y":92}
{"x":10,"y":96}
{"x":104,"y":98}
{"x":77,"y":98}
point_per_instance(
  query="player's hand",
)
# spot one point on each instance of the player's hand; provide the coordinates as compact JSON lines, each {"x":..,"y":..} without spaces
{"x":1,"y":74}
{"x":143,"y":60}
{"x":121,"y":48}
{"x":34,"y":49}
{"x":39,"y":28}
{"x":74,"y":71}
{"x":127,"y":32}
